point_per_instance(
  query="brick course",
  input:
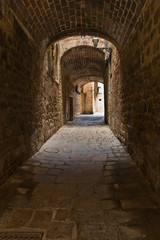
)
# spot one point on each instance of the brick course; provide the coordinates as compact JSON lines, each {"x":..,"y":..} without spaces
{"x":43,"y":19}
{"x":138,"y":94}
{"x":30,"y":105}
{"x":83,"y":61}
{"x":18,"y":95}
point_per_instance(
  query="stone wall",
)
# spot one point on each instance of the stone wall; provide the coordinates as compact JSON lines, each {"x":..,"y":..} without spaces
{"x":98,"y":97}
{"x":51,"y":96}
{"x":27,"y":100}
{"x":71,"y":98}
{"x":114,"y":84}
{"x":87,"y":98}
{"x":141,"y":92}
{"x":106,"y":78}
{"x":18,"y":95}
{"x":134,"y":93}
{"x":77,"y":107}
{"x":71,"y":42}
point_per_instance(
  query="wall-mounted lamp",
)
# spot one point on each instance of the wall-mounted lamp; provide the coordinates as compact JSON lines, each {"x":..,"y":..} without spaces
{"x":95,"y":41}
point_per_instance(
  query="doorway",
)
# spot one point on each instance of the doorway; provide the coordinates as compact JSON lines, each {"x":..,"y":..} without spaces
{"x":70,"y":108}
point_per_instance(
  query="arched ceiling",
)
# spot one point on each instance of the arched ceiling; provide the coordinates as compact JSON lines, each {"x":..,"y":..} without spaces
{"x":55,"y":19}
{"x":83,"y":62}
{"x":84,"y":80}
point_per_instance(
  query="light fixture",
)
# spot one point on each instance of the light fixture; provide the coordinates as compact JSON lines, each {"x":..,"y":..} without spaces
{"x":95,"y":41}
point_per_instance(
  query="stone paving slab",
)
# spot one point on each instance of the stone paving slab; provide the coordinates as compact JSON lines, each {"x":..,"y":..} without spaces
{"x":81,"y":185}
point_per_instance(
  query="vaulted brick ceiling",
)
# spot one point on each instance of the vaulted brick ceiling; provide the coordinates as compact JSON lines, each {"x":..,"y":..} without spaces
{"x":83,"y":63}
{"x":84,"y":80}
{"x":54,"y":19}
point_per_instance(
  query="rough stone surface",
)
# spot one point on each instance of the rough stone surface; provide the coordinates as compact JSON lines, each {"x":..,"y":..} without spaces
{"x":80,"y":203}
{"x":115,"y":112}
{"x":19,"y":89}
{"x":51,"y":96}
{"x":133,"y":93}
{"x":82,"y":61}
{"x":41,"y":219}
{"x":140,"y":91}
{"x":45,"y":19}
{"x":30,"y":102}
{"x":87,"y":99}
{"x":19,"y":218}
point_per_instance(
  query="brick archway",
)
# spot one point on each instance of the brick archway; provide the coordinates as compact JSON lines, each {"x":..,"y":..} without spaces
{"x":82,"y":62}
{"x":31,"y":108}
{"x":84,"y":80}
{"x":46,"y":19}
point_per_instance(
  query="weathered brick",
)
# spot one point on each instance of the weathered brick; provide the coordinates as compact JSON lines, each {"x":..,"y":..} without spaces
{"x":139,"y":93}
{"x":77,"y":10}
{"x":156,"y":47}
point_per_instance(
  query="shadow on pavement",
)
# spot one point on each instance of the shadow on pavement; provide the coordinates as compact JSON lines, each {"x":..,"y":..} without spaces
{"x":88,"y":120}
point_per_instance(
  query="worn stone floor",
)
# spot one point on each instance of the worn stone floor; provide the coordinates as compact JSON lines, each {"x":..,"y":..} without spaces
{"x":81,"y":185}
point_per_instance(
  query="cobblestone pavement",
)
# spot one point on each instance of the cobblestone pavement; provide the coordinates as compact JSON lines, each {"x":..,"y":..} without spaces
{"x":82,"y":185}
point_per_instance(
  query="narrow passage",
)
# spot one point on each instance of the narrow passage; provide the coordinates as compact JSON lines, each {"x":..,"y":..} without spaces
{"x":81,"y":185}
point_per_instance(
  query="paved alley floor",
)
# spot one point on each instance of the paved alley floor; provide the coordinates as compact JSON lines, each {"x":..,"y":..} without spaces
{"x":81,"y":185}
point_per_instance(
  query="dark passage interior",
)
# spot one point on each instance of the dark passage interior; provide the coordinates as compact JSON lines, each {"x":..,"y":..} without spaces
{"x":82,"y":184}
{"x":54,"y":57}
